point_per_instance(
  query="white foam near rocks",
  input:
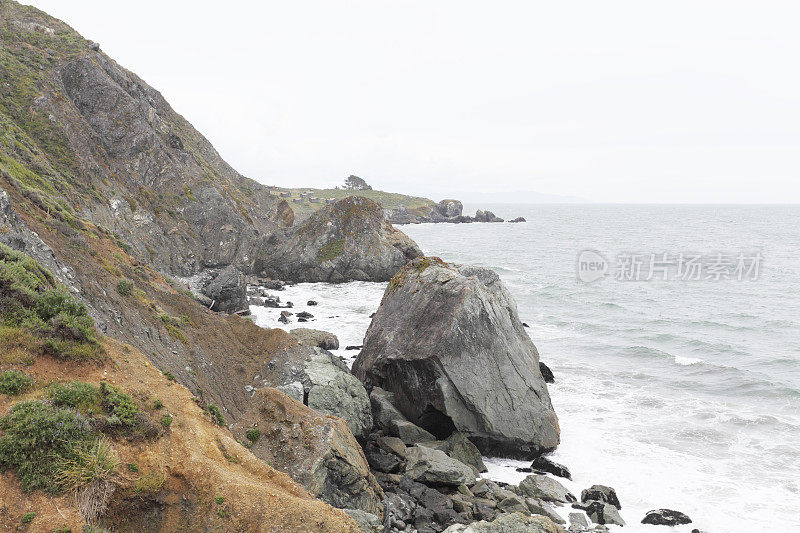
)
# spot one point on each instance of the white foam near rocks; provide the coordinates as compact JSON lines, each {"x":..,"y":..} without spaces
{"x":343,"y":309}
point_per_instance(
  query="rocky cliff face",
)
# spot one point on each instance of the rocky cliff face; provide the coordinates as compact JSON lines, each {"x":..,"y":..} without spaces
{"x":87,"y":139}
{"x":347,"y":240}
{"x":448,"y":344}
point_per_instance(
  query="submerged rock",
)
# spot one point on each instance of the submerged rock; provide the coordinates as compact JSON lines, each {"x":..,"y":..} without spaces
{"x":344,"y":241}
{"x":666,"y":517}
{"x":448,"y":344}
{"x":316,"y":450}
{"x":544,"y":464}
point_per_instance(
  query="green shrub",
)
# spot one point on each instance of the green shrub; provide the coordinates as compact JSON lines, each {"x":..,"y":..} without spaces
{"x":27,"y":518}
{"x":166,"y":421}
{"x":125,"y":287}
{"x":36,"y":437}
{"x":253,"y":434}
{"x":13,"y":382}
{"x":34,"y":301}
{"x":220,"y":500}
{"x":119,"y":406}
{"x":91,"y":462}
{"x":76,"y":394}
{"x":169,"y":375}
{"x":216,"y":413}
{"x":158,"y":404}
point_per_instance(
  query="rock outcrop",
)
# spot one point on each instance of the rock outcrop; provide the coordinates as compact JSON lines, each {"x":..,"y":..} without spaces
{"x":666,"y":517}
{"x":227,"y":291}
{"x":448,"y":344}
{"x":318,"y":451}
{"x":323,"y":382}
{"x":347,"y":240}
{"x":316,"y":337}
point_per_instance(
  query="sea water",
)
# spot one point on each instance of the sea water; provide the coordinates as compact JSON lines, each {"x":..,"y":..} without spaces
{"x":680,"y":393}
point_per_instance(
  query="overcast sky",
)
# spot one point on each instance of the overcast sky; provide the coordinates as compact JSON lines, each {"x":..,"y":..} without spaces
{"x":638,"y":101}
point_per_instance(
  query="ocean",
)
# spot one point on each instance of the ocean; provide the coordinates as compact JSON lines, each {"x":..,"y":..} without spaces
{"x":674,"y":336}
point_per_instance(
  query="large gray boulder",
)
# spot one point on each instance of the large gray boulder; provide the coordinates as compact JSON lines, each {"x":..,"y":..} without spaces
{"x":509,"y":523}
{"x":316,"y":450}
{"x":448,"y":344}
{"x":545,"y":488}
{"x":228,"y":291}
{"x":347,"y":240}
{"x":434,"y":467}
{"x":321,"y":381}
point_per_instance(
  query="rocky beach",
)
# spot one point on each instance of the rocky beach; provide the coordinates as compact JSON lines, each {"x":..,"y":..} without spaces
{"x":181,"y":350}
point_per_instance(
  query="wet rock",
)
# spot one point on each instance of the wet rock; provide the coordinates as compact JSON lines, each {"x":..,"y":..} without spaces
{"x":439,"y":380}
{"x":316,"y":337}
{"x":547,"y":374}
{"x":543,"y":464}
{"x":666,"y":517}
{"x":304,"y":314}
{"x":601,"y":493}
{"x":311,"y":303}
{"x":545,"y":488}
{"x":353,"y":347}
{"x":543,"y":508}
{"x":274,"y":285}
{"x":434,"y":467}
{"x":518,"y":219}
{"x":601,"y":512}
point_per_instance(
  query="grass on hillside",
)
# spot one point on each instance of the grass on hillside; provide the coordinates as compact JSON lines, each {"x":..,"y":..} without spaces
{"x":387,"y":200}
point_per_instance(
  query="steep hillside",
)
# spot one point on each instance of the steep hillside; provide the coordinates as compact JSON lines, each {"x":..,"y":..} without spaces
{"x":85,"y":139}
{"x":93,"y":433}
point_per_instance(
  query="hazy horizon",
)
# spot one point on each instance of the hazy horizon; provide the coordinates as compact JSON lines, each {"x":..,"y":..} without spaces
{"x":620,"y":102}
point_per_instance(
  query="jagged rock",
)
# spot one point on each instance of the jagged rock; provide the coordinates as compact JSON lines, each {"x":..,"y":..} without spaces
{"x":228,"y":291}
{"x":543,"y":508}
{"x":601,"y":493}
{"x":328,"y":386}
{"x":367,"y":522}
{"x":601,"y":512}
{"x":543,"y":464}
{"x":392,"y":445}
{"x":486,"y":385}
{"x":486,"y":216}
{"x":513,"y":504}
{"x":509,"y":523}
{"x":450,"y":208}
{"x":666,"y":517}
{"x":409,"y":432}
{"x":434,"y":467}
{"x":381,"y":460}
{"x":316,"y":337}
{"x":578,"y":520}
{"x":461,"y":448}
{"x":318,"y":451}
{"x":545,"y":488}
{"x":347,"y":240}
{"x":547,"y":374}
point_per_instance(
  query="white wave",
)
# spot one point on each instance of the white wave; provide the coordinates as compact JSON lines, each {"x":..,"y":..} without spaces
{"x":686,"y":361}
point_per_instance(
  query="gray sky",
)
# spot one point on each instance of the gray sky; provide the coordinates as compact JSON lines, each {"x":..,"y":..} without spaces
{"x":634,"y":101}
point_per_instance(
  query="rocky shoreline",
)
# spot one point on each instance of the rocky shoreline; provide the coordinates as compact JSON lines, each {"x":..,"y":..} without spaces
{"x":446,"y":211}
{"x":436,"y":482}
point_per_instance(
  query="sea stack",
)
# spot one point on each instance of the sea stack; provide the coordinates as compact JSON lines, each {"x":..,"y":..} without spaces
{"x":447,"y":342}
